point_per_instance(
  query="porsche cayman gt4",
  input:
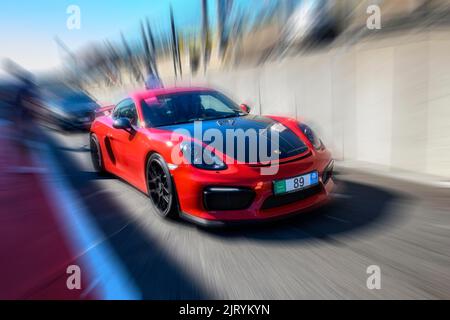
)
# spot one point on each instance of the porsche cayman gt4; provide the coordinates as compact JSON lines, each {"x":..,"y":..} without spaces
{"x":199,"y":155}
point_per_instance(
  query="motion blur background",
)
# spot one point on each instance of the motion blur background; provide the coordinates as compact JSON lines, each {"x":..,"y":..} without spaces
{"x":377,"y":96}
{"x":379,"y":99}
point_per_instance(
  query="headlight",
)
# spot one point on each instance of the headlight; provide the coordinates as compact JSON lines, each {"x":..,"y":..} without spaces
{"x":312,"y":137}
{"x":200,"y":157}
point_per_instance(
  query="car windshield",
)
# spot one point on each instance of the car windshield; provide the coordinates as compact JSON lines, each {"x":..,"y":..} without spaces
{"x":185,"y":107}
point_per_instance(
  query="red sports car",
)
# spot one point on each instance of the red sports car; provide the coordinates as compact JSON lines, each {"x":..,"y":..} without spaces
{"x":198,"y":155}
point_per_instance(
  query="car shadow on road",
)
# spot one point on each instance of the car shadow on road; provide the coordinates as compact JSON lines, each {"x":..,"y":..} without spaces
{"x":92,"y":175}
{"x":362,"y":207}
{"x":358,"y":207}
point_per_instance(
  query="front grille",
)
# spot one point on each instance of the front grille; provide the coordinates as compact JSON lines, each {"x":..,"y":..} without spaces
{"x":275,"y":201}
{"x":218,"y":199}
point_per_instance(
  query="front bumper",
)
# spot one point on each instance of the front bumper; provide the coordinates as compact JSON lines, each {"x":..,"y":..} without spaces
{"x":192,"y":185}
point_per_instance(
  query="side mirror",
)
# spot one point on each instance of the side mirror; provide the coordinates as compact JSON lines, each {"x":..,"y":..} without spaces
{"x":122,"y":123}
{"x":245,"y":108}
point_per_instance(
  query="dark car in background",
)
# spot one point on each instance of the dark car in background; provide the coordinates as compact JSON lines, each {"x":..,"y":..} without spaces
{"x":68,"y":109}
{"x":8,"y":92}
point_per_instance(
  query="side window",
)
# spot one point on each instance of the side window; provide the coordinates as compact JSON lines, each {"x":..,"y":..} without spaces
{"x":118,"y":110}
{"x":126,"y":109}
{"x":130,"y":112}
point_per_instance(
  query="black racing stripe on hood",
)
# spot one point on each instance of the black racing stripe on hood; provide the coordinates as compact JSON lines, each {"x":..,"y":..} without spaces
{"x":289,"y":143}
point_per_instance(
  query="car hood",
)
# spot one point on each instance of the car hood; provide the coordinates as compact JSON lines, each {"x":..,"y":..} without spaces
{"x":256,"y":135}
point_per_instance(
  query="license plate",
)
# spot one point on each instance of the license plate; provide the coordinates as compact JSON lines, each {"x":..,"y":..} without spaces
{"x":296,"y":183}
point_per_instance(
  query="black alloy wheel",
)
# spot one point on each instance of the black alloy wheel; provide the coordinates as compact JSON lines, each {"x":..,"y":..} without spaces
{"x":160,"y":187}
{"x":96,"y":154}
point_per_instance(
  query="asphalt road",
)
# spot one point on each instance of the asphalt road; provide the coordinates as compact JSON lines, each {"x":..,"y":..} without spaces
{"x":400,"y":227}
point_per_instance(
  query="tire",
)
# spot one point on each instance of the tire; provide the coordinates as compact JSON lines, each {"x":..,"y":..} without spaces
{"x":96,"y":155}
{"x":161,"y":189}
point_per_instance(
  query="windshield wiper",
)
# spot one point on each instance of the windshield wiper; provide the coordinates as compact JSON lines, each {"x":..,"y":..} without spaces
{"x":201,"y":119}
{"x":225,"y":117}
{"x":230,"y":116}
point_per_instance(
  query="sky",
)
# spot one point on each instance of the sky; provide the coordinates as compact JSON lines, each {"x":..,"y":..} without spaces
{"x":28,"y":27}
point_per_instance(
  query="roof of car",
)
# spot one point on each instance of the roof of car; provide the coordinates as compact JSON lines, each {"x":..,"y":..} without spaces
{"x":146,"y":94}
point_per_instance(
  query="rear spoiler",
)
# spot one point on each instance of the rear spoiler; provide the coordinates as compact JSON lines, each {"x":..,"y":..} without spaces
{"x":104,"y":111}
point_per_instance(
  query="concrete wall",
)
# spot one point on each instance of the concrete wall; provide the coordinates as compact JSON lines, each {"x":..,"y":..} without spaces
{"x":384,"y":101}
